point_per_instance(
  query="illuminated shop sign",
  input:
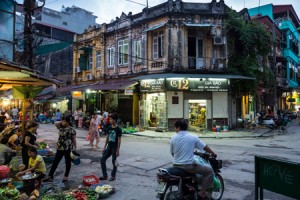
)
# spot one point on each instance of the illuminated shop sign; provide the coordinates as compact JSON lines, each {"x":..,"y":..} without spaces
{"x":153,"y":85}
{"x":197,"y":84}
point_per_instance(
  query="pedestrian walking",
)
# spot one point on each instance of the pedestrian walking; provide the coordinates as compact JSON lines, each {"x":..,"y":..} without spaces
{"x":29,"y":141}
{"x":93,"y":131}
{"x":58,"y":115}
{"x":65,"y":144}
{"x":15,"y":112}
{"x":111,"y":147}
{"x":76,"y":117}
{"x":99,"y":122}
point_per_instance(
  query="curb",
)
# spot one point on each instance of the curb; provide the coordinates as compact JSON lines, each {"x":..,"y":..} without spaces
{"x":262,"y":135}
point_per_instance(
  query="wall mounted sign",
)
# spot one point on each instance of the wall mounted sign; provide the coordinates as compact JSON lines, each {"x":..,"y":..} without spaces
{"x":197,"y":84}
{"x":153,"y":85}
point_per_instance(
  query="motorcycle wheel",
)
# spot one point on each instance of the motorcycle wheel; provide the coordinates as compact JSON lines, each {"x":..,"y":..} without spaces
{"x":282,"y":130}
{"x":171,"y":193}
{"x":217,"y":194}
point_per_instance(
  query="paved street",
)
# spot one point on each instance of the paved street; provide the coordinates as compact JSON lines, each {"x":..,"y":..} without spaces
{"x":141,"y":156}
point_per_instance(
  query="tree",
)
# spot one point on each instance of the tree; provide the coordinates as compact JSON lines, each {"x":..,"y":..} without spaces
{"x":249,"y":44}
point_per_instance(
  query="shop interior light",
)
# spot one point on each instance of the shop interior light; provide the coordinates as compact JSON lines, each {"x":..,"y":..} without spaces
{"x":88,"y":91}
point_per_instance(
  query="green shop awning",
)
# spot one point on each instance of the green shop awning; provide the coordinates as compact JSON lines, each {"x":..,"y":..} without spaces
{"x":177,"y":75}
{"x":26,"y":92}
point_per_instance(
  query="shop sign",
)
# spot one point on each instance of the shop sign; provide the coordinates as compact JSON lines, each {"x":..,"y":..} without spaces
{"x":197,"y":84}
{"x":77,"y":94}
{"x":153,"y":85}
{"x":128,"y":92}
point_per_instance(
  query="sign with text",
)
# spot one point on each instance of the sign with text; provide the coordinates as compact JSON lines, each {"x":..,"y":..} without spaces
{"x":197,"y":84}
{"x":277,"y":176}
{"x":153,"y":85}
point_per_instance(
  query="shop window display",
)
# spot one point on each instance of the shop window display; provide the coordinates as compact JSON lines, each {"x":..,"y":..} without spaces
{"x":197,"y":113}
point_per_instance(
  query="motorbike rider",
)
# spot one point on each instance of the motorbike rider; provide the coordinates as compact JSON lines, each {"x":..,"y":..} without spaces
{"x":182,"y":147}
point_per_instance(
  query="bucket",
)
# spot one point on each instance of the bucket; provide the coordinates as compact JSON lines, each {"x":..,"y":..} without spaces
{"x":214,"y":129}
{"x":218,"y":129}
{"x":225,"y":128}
{"x":4,"y":171}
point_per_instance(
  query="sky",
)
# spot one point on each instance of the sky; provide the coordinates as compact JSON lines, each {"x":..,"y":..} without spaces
{"x":106,"y":10}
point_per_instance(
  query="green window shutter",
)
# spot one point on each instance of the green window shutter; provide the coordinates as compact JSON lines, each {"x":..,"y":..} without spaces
{"x":83,"y":62}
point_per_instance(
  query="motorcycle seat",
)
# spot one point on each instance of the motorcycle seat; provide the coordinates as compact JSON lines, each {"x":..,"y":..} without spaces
{"x":179,"y":172}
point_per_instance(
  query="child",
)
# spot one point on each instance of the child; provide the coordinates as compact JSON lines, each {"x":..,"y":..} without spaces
{"x":37,"y":165}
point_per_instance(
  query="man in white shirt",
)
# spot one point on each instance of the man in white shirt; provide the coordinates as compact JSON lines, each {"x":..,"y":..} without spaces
{"x":76,"y":117}
{"x":99,"y":119}
{"x":183,"y":145}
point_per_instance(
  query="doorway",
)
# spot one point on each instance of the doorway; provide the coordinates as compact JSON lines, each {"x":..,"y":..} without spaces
{"x":197,"y":114}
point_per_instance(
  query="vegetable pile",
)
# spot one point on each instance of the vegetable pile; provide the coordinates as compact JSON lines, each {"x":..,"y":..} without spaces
{"x":9,"y":194}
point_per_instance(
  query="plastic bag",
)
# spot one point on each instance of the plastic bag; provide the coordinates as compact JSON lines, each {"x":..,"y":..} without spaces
{"x":200,"y":161}
{"x":88,"y":137}
{"x":75,"y":157}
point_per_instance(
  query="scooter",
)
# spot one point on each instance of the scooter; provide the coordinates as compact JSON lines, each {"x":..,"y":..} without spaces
{"x":176,"y":184}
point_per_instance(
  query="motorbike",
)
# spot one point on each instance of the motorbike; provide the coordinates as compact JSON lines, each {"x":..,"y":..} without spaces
{"x":177,"y":184}
{"x":278,"y":124}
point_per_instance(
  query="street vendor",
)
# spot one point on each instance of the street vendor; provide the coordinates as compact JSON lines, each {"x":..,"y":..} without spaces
{"x":29,"y":141}
{"x":36,"y":165}
{"x":15,"y":140}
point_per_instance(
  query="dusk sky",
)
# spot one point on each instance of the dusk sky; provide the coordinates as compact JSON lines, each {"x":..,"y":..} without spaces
{"x":106,"y":10}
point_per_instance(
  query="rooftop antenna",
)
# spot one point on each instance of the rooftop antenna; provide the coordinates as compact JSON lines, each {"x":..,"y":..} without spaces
{"x":147,"y":3}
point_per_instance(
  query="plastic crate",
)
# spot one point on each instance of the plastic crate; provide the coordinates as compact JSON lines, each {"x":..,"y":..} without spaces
{"x":48,"y":159}
{"x":90,"y":180}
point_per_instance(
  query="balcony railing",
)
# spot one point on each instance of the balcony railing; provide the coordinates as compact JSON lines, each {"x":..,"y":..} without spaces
{"x":158,"y":65}
{"x":198,"y":63}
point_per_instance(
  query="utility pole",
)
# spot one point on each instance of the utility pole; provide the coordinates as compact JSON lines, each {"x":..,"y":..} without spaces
{"x":28,"y":39}
{"x":29,"y":7}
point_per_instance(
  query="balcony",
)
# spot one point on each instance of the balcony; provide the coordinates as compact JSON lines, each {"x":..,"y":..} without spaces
{"x":158,"y":65}
{"x":197,"y":63}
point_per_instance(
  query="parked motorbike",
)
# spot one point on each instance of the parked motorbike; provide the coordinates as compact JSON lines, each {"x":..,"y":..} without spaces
{"x":176,"y":184}
{"x":278,"y":124}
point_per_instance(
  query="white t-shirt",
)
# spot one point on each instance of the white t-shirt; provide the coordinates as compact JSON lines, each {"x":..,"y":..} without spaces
{"x":182,"y":147}
{"x":15,"y":112}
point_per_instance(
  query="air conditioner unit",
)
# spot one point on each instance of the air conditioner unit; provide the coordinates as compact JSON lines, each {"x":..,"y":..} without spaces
{"x":89,"y":77}
{"x":219,"y":40}
{"x":77,"y":69}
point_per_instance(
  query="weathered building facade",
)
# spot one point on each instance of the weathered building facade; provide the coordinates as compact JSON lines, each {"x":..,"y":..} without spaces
{"x":167,"y":62}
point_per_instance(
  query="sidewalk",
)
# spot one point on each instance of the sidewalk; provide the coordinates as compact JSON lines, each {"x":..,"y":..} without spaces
{"x":262,"y":132}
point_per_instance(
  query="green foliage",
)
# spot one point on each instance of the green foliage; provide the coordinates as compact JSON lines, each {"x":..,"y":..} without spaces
{"x":249,"y":45}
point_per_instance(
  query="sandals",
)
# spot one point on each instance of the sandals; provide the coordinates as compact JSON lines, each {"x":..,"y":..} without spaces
{"x":112,"y":179}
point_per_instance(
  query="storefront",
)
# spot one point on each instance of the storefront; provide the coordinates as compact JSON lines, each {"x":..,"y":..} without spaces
{"x":200,"y":99}
{"x":111,"y":96}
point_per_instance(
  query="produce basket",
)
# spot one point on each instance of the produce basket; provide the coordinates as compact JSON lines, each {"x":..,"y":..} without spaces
{"x":90,"y":180}
{"x":48,"y":159}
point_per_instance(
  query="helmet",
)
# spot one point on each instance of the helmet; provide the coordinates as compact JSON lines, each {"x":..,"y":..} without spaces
{"x":98,"y":112}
